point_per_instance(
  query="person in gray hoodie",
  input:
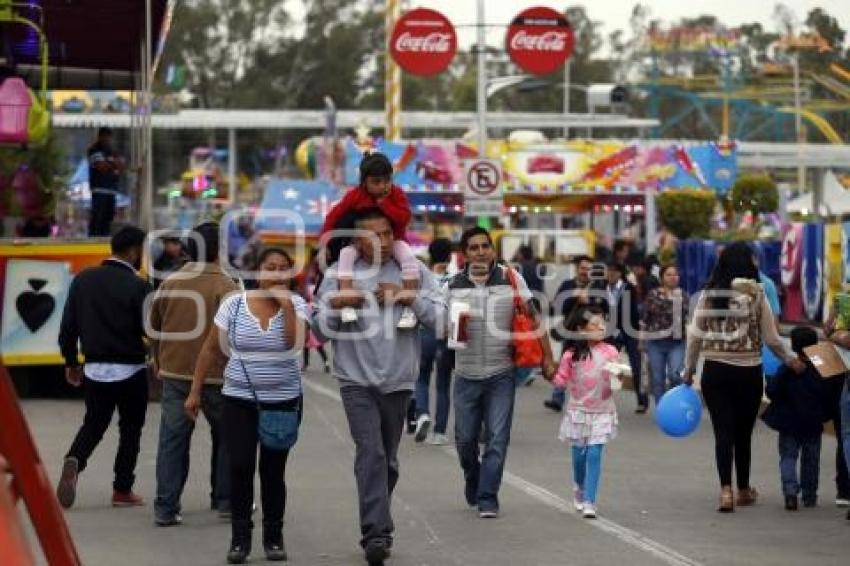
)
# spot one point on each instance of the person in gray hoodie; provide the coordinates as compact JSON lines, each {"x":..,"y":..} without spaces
{"x":377,"y":365}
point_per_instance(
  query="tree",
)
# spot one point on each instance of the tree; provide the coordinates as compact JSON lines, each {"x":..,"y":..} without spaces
{"x":687,"y":212}
{"x":217,"y":41}
{"x":756,"y":193}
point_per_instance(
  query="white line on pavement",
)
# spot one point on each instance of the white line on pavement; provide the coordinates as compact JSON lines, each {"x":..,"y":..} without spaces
{"x":543,"y":495}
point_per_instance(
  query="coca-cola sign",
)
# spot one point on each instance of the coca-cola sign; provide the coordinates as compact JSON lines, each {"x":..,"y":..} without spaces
{"x":423,"y":42}
{"x":540,"y":40}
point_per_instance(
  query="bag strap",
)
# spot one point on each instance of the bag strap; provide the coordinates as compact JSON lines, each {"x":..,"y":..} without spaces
{"x":518,"y":302}
{"x":234,"y":349}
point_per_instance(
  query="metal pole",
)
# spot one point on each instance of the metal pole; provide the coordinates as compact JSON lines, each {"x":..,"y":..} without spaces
{"x":798,"y":122}
{"x":147,"y":205}
{"x":649,"y":218}
{"x":817,"y":195}
{"x":392,"y":80}
{"x":231,"y":168}
{"x":567,"y":76}
{"x":482,"y":81}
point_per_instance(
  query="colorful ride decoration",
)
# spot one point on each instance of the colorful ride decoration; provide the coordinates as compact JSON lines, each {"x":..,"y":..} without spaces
{"x":835,"y":244}
{"x":811,"y":271}
{"x":792,"y":260}
{"x":34,"y":280}
{"x":24,"y":118}
{"x":295,"y":208}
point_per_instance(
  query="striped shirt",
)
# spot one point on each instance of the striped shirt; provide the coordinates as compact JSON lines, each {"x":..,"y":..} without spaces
{"x":274,"y":372}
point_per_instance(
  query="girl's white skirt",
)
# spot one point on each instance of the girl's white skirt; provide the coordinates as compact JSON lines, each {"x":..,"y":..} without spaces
{"x":581,"y":428}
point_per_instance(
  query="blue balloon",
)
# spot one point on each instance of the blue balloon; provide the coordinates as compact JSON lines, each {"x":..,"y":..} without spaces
{"x":769,"y":362}
{"x":679,"y":412}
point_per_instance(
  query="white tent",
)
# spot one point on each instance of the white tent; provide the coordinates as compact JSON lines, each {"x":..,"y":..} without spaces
{"x":835,"y":200}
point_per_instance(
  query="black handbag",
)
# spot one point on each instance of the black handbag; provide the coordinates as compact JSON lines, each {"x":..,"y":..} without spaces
{"x":276,"y":428}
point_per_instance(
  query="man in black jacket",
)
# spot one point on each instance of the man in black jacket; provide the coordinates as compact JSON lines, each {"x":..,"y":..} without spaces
{"x":104,"y":312}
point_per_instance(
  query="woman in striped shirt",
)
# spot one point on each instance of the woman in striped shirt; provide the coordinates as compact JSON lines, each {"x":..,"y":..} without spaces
{"x":264,"y":330}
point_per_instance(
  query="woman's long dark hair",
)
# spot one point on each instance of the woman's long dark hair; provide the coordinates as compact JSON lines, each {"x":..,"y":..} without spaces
{"x":735,"y":262}
{"x":579,"y":318}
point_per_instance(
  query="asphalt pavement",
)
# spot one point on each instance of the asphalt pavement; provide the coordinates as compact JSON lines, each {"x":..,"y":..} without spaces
{"x":656,"y":503}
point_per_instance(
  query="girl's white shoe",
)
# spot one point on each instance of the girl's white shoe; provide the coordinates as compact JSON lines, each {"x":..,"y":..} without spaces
{"x":578,"y":499}
{"x":589,"y":511}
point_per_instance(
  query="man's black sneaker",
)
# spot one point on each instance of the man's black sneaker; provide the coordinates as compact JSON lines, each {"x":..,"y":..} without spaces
{"x":790,"y":502}
{"x":550,"y":404}
{"x":376,"y":552}
{"x":163,"y":520}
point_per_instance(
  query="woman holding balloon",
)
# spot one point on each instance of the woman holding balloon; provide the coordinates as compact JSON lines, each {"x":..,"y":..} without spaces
{"x":731,"y":320}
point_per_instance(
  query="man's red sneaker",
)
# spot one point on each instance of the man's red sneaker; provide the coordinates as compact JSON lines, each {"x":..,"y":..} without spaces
{"x":128,"y":499}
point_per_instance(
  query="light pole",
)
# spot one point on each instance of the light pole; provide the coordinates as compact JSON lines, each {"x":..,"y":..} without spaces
{"x":798,"y":122}
{"x":482,"y":82}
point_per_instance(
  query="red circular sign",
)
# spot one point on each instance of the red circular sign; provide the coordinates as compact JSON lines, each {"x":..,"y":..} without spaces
{"x":540,"y":40}
{"x":423,"y":42}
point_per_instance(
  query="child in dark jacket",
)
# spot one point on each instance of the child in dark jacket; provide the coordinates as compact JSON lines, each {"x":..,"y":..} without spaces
{"x":796,"y":411}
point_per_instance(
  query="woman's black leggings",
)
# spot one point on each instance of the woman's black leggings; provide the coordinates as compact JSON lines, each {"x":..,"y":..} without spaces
{"x":240,"y":433}
{"x":733,"y":395}
{"x":322,"y":353}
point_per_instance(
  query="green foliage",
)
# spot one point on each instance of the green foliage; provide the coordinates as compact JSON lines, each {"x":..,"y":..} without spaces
{"x":667,"y":256}
{"x":756,"y":193}
{"x":687,"y":212}
{"x":47,"y":161}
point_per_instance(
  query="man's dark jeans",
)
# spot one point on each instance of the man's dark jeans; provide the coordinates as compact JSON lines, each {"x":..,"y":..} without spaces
{"x":130,"y":397}
{"x":434,"y":350}
{"x":491,"y":402}
{"x":175,"y":435}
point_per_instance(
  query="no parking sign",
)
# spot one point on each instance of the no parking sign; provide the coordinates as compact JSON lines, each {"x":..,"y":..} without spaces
{"x":482,"y":187}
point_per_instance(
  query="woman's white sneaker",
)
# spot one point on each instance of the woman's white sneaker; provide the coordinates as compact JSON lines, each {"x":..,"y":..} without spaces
{"x":589,"y":511}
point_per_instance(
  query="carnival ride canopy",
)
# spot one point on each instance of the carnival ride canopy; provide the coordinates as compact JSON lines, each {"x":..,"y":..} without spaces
{"x":94,"y":44}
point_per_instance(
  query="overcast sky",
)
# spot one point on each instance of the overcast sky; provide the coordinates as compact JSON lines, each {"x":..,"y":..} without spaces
{"x":614,"y":14}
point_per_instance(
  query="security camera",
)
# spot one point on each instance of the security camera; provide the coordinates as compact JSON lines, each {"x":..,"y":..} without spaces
{"x":606,"y":95}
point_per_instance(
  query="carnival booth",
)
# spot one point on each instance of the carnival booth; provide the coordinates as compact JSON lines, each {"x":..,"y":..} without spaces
{"x":35,"y":273}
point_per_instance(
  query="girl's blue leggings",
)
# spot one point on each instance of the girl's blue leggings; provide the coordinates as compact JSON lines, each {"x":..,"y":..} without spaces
{"x":587,"y":469}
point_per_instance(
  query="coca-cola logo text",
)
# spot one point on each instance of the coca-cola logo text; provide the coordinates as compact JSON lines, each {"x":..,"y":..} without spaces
{"x":548,"y":41}
{"x":423,"y":42}
{"x":431,"y":43}
{"x":539,"y":40}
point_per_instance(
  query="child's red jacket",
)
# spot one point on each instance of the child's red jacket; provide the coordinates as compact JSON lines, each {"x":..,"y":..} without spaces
{"x":395,"y":205}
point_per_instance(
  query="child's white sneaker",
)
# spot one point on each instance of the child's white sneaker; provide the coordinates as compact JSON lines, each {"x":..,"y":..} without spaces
{"x":408,"y":319}
{"x":348,"y":314}
{"x":578,"y":499}
{"x":589,"y":511}
{"x":438,"y":439}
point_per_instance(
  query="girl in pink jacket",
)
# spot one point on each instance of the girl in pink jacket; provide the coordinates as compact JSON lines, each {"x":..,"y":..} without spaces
{"x":591,"y":415}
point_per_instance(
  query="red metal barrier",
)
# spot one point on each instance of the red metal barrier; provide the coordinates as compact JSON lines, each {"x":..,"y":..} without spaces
{"x":27,"y":480}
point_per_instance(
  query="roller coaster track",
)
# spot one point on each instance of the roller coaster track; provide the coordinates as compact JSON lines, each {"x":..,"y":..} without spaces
{"x":833,"y":85}
{"x":818,"y":122}
{"x":840,"y":71}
